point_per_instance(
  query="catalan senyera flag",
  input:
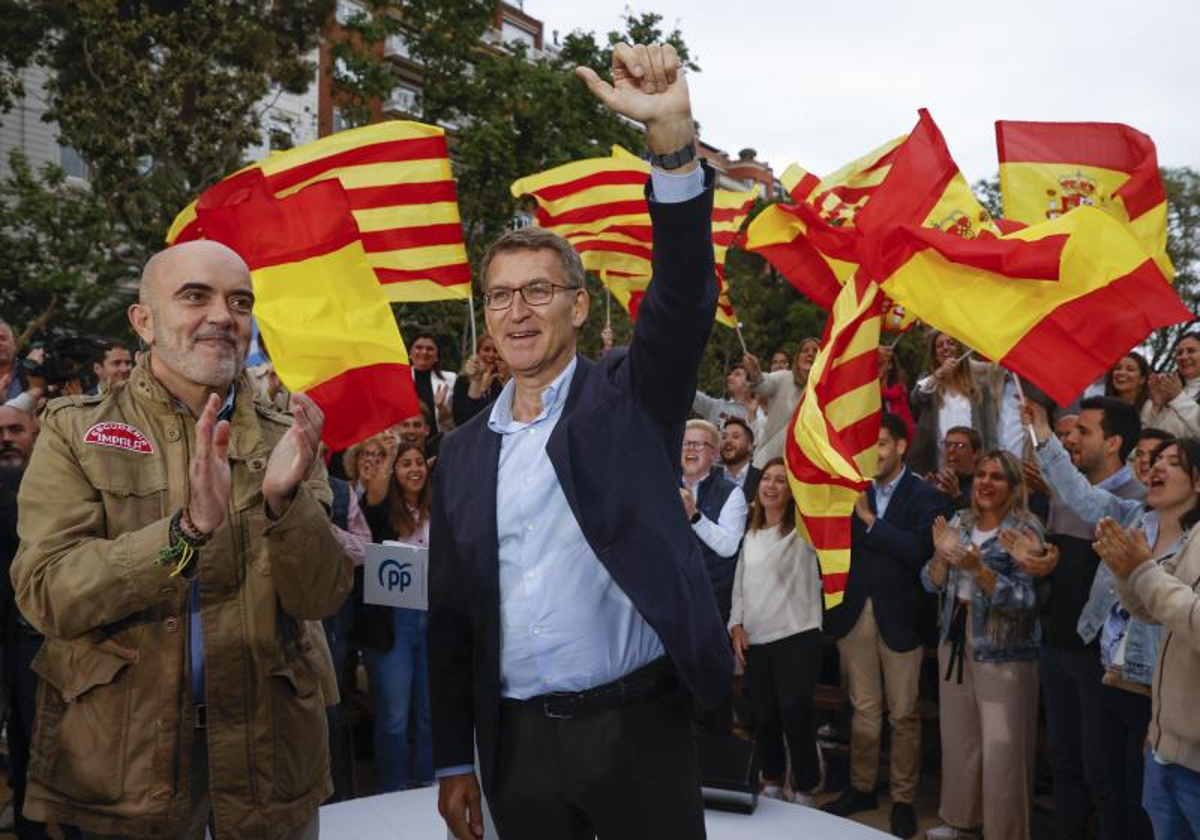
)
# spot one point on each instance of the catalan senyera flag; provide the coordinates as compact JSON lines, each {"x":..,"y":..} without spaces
{"x":397,"y":179}
{"x":1049,"y":168}
{"x":1079,"y":289}
{"x":832,"y":450}
{"x":324,"y":318}
{"x":599,"y":206}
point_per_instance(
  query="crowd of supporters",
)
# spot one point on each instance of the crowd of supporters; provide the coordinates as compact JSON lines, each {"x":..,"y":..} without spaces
{"x":1018,"y":566}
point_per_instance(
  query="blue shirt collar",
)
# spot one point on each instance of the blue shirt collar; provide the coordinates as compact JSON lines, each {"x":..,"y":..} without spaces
{"x":890,"y":487}
{"x":554,"y":398}
{"x":1121,"y":476}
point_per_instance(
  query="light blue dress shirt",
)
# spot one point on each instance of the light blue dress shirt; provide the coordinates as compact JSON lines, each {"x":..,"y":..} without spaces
{"x":565,"y":625}
{"x":884,"y":493}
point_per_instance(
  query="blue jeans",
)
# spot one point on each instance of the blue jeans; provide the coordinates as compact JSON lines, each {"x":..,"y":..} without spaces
{"x":397,"y":677}
{"x":1171,"y":795}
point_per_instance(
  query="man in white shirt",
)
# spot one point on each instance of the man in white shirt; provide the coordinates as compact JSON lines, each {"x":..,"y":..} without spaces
{"x":737,"y":446}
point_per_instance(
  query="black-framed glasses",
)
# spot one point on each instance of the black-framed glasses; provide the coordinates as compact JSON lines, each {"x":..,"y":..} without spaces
{"x":537,"y":293}
{"x":697,"y":444}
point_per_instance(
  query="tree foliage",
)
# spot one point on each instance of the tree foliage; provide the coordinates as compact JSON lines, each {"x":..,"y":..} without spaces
{"x":161,"y":99}
{"x":64,"y":259}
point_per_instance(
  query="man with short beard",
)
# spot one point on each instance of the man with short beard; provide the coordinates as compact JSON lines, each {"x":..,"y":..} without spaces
{"x":737,"y":445}
{"x":1085,"y":720}
{"x":177,"y":555}
{"x":18,"y":430}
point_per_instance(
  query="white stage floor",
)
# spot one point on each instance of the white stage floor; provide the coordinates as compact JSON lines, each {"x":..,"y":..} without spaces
{"x":412,"y":815}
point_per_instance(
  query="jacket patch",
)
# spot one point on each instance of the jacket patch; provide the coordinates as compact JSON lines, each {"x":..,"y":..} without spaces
{"x":119,"y":436}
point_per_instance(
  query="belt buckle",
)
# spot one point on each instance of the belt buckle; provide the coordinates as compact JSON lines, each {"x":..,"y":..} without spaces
{"x":549,"y":704}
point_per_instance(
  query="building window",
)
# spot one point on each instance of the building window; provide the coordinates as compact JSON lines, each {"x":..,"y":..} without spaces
{"x":514,"y":34}
{"x":346,"y":9}
{"x":73,"y":164}
{"x":404,"y":99}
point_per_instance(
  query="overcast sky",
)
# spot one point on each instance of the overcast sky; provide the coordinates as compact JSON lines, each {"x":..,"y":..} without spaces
{"x":821,"y":83}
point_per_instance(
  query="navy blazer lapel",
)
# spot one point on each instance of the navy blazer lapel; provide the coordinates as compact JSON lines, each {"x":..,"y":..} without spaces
{"x":558,"y":446}
{"x":900,"y":495}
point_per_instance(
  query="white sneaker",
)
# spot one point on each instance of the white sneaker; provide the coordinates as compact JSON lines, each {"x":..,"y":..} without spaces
{"x":772,"y":791}
{"x":949,"y":832}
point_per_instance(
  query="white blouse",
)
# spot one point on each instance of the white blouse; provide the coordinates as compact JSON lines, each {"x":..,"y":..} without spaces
{"x":777,"y":586}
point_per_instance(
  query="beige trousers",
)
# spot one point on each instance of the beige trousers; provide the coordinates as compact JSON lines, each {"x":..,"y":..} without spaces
{"x":989,"y":733}
{"x":875,"y":672}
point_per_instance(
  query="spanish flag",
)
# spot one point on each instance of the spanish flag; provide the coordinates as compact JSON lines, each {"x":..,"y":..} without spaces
{"x":1048,"y":169}
{"x":397,"y":180}
{"x":816,"y":242}
{"x":325,"y":319}
{"x":1079,"y":289}
{"x":832,"y":450}
{"x":599,"y":206}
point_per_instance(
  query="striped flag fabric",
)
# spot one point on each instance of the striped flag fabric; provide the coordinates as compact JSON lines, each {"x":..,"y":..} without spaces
{"x":832,"y":450}
{"x":397,"y":180}
{"x":325,"y":320}
{"x":1080,"y":288}
{"x":815,"y":242}
{"x":1049,"y":168}
{"x":599,"y":206}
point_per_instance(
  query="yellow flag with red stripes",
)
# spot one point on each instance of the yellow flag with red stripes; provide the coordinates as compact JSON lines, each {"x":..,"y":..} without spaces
{"x":832,"y":450}
{"x":599,"y":206}
{"x":396,"y":177}
{"x":1049,"y":168}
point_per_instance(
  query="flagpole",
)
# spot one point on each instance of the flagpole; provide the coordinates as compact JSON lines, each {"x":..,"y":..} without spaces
{"x":1021,"y":399}
{"x":741,"y":339}
{"x":471,"y":309}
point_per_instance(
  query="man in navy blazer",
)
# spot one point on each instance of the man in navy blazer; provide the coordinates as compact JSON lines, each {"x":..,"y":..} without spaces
{"x":878,"y":625}
{"x":569,"y":609}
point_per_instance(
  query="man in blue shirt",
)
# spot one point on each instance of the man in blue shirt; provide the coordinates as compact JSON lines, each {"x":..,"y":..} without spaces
{"x":569,"y":606}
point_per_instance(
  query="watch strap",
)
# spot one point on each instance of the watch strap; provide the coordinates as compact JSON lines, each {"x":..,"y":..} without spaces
{"x":675,"y":159}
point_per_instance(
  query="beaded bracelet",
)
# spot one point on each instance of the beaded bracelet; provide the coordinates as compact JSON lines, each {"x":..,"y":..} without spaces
{"x":181,"y":549}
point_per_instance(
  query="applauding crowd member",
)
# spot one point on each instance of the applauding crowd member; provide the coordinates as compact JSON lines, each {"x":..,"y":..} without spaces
{"x":987,"y":657}
{"x":775,"y":624}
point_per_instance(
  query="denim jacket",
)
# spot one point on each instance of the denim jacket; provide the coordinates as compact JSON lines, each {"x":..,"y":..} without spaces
{"x":1092,"y":504}
{"x":1004,"y":625}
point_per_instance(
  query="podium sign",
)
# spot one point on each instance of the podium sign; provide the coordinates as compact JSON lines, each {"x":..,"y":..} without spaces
{"x":396,"y":575}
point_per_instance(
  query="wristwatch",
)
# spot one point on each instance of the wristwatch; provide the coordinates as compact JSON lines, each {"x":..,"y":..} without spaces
{"x":695,"y":518}
{"x":675,"y":159}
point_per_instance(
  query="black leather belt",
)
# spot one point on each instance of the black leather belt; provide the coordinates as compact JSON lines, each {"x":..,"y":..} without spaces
{"x":646,"y":683}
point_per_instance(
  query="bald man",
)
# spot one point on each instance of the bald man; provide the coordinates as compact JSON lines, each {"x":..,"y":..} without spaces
{"x":176,"y":554}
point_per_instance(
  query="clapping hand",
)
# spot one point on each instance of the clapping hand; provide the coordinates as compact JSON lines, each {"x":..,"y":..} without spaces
{"x":1123,"y":551}
{"x":1164,"y":387}
{"x":209,"y":478}
{"x":293,"y":456}
{"x":945,"y":539}
{"x":1026,"y":548}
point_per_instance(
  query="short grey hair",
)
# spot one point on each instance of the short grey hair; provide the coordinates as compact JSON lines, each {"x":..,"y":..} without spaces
{"x":536,"y":239}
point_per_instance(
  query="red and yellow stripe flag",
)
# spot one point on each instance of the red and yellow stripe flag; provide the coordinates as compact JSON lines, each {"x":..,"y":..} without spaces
{"x":599,"y":206}
{"x":1047,"y":169}
{"x":1079,"y":289}
{"x":397,"y":180}
{"x":323,"y":316}
{"x":832,"y":450}
{"x":815,"y":243}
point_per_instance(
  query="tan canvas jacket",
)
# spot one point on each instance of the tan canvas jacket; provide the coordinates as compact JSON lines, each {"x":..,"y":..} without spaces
{"x":113,"y":731}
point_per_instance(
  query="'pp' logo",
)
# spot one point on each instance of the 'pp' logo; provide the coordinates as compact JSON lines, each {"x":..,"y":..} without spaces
{"x":394,"y":575}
